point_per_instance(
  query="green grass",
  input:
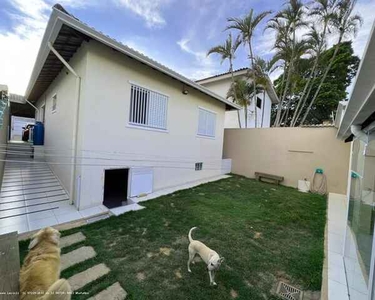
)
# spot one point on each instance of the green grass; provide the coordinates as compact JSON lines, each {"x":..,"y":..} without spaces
{"x":265,"y":232}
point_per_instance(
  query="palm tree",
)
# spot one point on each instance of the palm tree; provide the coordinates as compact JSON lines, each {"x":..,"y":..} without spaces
{"x":282,"y":46}
{"x":246,"y":26}
{"x":346,"y":25}
{"x":227,"y":52}
{"x":299,"y":49}
{"x":261,"y":71}
{"x":243,"y":91}
{"x":293,"y":16}
{"x":322,"y":11}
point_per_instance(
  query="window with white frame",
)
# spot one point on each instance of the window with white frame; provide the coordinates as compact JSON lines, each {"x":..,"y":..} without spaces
{"x":54,"y":103}
{"x":148,"y":108}
{"x":206,"y":123}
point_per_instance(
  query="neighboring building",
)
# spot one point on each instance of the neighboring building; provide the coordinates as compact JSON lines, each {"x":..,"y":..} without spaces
{"x":221,"y":83}
{"x":358,"y":127}
{"x":118,"y":124}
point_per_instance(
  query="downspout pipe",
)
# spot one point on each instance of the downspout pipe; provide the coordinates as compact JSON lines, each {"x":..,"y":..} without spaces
{"x":36,"y":109}
{"x":75,"y":122}
{"x":360,"y":134}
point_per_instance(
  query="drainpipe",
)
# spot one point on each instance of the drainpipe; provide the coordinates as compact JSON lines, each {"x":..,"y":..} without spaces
{"x":37,"y":110}
{"x":75,"y":128}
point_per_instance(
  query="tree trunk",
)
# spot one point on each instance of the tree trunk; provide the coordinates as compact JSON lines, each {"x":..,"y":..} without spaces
{"x":312,"y":77}
{"x":263,"y":105}
{"x":322,"y":81}
{"x":304,"y":96}
{"x":234,"y":90}
{"x":289,"y":73}
{"x":245,"y":115}
{"x":254,"y":82}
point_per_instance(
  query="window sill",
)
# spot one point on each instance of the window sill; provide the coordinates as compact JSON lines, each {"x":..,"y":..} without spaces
{"x":147,"y":128}
{"x":206,"y":137}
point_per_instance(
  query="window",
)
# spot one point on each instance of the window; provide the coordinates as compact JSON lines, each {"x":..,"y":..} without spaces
{"x":147,"y":108}
{"x":198,"y":166}
{"x":54,"y":103}
{"x":259,"y":102}
{"x":206,"y":123}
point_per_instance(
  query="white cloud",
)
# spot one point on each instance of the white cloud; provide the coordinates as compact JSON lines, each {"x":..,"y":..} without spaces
{"x":203,"y":65}
{"x":148,"y":10}
{"x":366,"y":11}
{"x":19,"y":46}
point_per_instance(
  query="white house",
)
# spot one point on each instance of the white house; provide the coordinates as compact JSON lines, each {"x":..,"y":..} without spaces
{"x":118,"y":124}
{"x":220,"y":85}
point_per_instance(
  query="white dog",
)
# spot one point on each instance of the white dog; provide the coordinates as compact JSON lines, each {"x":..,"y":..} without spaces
{"x":209,"y":256}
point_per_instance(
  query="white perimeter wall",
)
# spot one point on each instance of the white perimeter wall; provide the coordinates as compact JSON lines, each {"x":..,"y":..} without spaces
{"x":104,"y":120}
{"x":59,"y":124}
{"x":221,"y":88}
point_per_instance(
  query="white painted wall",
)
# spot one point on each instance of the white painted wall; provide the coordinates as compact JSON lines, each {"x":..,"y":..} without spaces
{"x":105,"y":131}
{"x":59,"y":124}
{"x":221,"y":88}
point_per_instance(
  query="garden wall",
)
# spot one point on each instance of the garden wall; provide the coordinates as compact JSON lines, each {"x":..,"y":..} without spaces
{"x":290,"y":152}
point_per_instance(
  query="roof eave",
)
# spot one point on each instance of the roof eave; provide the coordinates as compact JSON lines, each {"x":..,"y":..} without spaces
{"x":58,"y":18}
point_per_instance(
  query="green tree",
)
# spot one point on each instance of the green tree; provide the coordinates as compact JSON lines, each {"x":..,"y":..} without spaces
{"x":227,"y":52}
{"x":346,"y":25}
{"x":246,"y":27}
{"x":333,"y":89}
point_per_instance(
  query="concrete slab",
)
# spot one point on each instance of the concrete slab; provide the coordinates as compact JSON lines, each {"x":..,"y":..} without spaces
{"x":79,"y":280}
{"x":76,"y":256}
{"x":114,"y":292}
{"x":72,"y":239}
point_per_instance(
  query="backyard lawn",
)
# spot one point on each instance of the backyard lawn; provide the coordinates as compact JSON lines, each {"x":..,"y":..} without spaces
{"x":265,"y":232}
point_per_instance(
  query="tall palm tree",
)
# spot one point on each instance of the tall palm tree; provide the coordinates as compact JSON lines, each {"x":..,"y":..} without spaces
{"x":281,"y":58}
{"x":243,"y":90}
{"x":261,"y":71}
{"x":299,"y":49}
{"x":246,"y":26}
{"x":227,"y":52}
{"x":346,"y":25}
{"x":322,"y":11}
{"x":293,"y":15}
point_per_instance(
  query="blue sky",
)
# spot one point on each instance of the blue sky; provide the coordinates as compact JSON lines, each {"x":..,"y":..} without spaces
{"x":173,"y":32}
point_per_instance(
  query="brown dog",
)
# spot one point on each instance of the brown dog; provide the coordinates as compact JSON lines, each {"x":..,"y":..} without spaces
{"x":39,"y":276}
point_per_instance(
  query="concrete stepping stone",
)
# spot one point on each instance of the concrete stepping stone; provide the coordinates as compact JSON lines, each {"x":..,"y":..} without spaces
{"x":72,"y":239}
{"x":113,"y":292}
{"x":79,"y":280}
{"x":76,"y":256}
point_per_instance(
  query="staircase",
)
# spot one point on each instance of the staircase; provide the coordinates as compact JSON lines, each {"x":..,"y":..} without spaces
{"x":19,"y":151}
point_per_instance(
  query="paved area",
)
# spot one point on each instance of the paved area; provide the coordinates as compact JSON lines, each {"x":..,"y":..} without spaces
{"x":32,"y":197}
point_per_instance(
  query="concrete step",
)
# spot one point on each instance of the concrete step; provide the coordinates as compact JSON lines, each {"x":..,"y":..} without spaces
{"x":76,"y":256}
{"x":79,"y":280}
{"x":113,"y":292}
{"x":72,"y":239}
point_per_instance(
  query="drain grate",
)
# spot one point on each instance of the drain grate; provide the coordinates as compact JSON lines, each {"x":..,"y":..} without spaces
{"x":288,"y":292}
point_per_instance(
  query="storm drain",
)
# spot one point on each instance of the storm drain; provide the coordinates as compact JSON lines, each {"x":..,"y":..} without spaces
{"x":288,"y":292}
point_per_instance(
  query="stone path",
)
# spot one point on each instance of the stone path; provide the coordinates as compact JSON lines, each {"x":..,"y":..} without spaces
{"x":76,"y":256}
{"x":79,"y":280}
{"x":115,"y":291}
{"x":71,"y":239}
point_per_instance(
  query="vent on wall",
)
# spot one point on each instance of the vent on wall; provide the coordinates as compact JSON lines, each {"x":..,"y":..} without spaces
{"x":198,"y":166}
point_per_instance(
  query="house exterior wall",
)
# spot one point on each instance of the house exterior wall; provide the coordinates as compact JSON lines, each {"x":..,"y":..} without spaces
{"x":106,"y":133}
{"x":58,"y":137}
{"x":275,"y":150}
{"x":221,"y":88}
